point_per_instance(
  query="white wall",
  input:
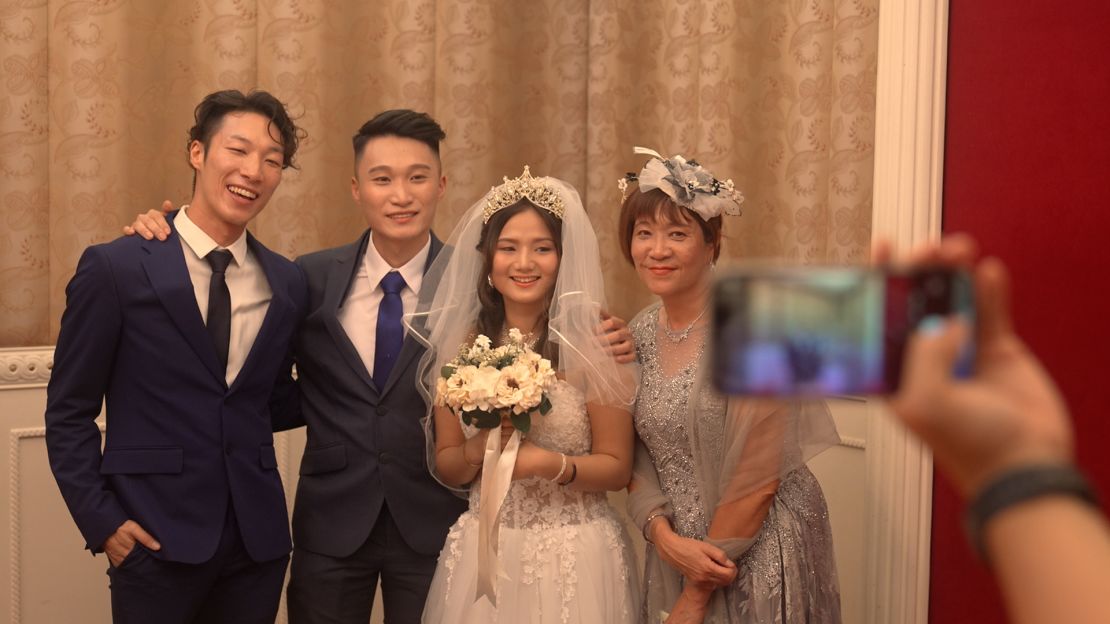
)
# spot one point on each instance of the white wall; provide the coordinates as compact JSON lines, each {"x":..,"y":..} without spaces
{"x":50,"y":578}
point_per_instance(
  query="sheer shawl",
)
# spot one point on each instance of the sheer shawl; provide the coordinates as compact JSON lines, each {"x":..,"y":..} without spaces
{"x":763,"y":441}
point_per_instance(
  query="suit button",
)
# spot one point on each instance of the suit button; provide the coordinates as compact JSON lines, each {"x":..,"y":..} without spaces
{"x":384,"y":458}
{"x":381,"y":410}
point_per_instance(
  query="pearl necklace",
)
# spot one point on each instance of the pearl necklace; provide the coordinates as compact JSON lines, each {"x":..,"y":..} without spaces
{"x":678,"y":336}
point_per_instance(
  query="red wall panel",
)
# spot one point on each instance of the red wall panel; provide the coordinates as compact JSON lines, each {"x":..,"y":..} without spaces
{"x":1027,"y":172}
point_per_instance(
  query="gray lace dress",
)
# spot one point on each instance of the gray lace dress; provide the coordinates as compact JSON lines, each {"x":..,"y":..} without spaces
{"x":788,"y":575}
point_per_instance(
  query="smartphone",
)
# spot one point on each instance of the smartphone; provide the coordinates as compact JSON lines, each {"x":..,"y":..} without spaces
{"x":822,"y":331}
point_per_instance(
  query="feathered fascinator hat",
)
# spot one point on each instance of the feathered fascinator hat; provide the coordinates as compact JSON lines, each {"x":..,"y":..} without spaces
{"x":686,"y":182}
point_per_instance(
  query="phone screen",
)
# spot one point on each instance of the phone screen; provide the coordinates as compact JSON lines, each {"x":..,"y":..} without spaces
{"x":823,"y":331}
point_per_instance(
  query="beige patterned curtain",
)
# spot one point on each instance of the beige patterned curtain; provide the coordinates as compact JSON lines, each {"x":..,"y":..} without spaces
{"x":97,"y":96}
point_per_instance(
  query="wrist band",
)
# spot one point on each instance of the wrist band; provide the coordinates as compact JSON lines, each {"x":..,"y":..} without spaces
{"x":1019,"y":485}
{"x":562,"y":469}
{"x":573,"y":474}
{"x":658,"y":513}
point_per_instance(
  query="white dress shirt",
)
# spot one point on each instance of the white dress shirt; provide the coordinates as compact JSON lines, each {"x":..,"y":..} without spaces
{"x":246,"y":281}
{"x":359,"y":313}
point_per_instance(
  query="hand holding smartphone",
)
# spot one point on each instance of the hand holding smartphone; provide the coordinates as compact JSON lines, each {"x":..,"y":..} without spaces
{"x":820,"y":331}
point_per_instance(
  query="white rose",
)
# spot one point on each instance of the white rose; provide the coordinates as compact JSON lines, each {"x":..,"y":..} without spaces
{"x":456,"y":387}
{"x":441,"y":391}
{"x":482,"y":388}
{"x":509,"y":390}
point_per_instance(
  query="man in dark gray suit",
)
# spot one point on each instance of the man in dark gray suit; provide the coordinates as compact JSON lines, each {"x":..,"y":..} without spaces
{"x":367,"y":507}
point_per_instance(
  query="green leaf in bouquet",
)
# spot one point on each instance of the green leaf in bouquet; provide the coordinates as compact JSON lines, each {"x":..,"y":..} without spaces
{"x":486,"y":420}
{"x":447,"y":371}
{"x":522,"y":422}
{"x":545,"y":405}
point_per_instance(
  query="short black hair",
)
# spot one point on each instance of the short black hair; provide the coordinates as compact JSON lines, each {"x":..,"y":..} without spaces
{"x":401,"y":122}
{"x":209,"y":116}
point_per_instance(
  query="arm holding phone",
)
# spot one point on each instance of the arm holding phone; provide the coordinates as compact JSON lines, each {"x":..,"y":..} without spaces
{"x":1050,"y":553}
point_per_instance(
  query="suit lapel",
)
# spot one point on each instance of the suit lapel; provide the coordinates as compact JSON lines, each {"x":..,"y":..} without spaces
{"x":280,"y":307}
{"x":341,"y":276}
{"x":410,"y":348}
{"x":164,"y":264}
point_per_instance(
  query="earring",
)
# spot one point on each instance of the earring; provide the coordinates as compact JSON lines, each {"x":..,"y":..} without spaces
{"x":489,"y":280}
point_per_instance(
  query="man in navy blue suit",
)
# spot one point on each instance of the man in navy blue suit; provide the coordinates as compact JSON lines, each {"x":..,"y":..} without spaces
{"x":186,"y":341}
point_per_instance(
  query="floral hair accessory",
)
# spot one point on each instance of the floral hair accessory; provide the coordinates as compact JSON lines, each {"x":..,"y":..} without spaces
{"x":687,"y":183}
{"x":535,"y":190}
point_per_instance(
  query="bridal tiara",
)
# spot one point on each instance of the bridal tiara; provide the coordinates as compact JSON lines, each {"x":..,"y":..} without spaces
{"x":536,"y":190}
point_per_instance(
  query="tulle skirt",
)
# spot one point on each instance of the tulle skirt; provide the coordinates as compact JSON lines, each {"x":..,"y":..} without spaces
{"x":569,"y":573}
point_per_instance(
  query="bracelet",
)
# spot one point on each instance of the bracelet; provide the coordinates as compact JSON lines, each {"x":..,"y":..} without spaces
{"x":467,"y":460}
{"x":562,"y":469}
{"x":573,"y":474}
{"x":1019,"y":485}
{"x":658,"y":513}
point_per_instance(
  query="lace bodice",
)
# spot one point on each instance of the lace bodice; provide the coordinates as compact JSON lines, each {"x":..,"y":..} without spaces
{"x":551,"y":531}
{"x":537,"y":502}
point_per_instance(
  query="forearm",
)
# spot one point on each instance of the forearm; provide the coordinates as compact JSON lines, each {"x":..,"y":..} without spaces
{"x":743,"y":517}
{"x":1052,"y":558}
{"x":458,"y":465}
{"x":597,"y":472}
{"x":83,"y":362}
{"x":73,"y":449}
{"x":692,"y":604}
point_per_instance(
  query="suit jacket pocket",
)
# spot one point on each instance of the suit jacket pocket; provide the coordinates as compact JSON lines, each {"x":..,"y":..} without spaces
{"x":163,"y":460}
{"x":324,"y":459}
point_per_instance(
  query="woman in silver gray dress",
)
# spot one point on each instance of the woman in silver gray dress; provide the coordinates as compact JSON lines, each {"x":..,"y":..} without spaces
{"x":737,"y":525}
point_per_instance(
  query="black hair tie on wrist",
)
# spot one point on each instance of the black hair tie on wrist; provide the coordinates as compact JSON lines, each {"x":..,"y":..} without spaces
{"x":1019,"y":485}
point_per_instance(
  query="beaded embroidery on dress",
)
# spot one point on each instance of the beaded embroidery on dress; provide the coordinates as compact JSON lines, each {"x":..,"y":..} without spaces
{"x":565,"y":553}
{"x":788,"y":575}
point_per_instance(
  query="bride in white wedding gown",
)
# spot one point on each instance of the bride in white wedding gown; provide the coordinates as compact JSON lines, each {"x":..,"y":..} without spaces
{"x":540,"y":542}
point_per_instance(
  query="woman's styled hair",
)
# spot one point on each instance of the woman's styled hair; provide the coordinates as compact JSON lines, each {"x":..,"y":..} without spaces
{"x":491,"y":316}
{"x":655,"y":205}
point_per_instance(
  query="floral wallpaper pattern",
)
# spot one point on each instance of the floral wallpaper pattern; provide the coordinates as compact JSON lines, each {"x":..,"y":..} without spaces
{"x":97,"y":96}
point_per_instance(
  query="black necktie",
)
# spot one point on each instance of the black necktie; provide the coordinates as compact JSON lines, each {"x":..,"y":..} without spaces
{"x":389,"y":335}
{"x":219,"y":303}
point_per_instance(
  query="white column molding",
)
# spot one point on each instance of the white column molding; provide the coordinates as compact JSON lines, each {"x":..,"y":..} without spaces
{"x":27,"y":367}
{"x":906,"y":209}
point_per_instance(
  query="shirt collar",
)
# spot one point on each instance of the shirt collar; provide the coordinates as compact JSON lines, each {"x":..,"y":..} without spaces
{"x":202,"y":243}
{"x":413,"y":271}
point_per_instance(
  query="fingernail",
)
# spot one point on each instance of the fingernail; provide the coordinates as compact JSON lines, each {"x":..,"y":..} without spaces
{"x":931,"y":325}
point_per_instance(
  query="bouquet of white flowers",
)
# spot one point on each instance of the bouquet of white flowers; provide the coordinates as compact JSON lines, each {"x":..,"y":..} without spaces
{"x":483,"y":383}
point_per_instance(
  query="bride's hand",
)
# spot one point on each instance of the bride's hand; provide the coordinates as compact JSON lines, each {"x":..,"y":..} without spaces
{"x":506,"y":430}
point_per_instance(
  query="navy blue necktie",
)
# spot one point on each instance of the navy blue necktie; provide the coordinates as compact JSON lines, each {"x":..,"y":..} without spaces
{"x":219,"y":303}
{"x":390,"y":334}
